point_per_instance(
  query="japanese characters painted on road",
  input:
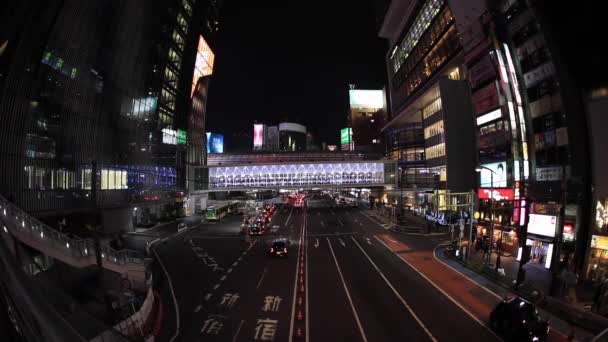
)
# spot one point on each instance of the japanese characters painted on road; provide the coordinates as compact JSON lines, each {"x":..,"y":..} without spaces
{"x":271,"y":303}
{"x":212,"y":325}
{"x":207,"y":260}
{"x":265,"y":329}
{"x":229,"y":299}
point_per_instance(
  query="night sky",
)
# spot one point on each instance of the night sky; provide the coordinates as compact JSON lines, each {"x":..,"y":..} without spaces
{"x":284,"y":60}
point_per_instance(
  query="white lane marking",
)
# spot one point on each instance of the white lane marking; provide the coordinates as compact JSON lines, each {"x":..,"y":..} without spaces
{"x":222,"y":278}
{"x":198,"y":308}
{"x":234,"y":264}
{"x":261,"y":278}
{"x":439,"y":289}
{"x":316,"y":242}
{"x":395,"y":292}
{"x":288,"y":217}
{"x":244,"y":252}
{"x":295,"y":289}
{"x":340,"y":222}
{"x":342,"y":242}
{"x":208,"y":296}
{"x":240,"y":259}
{"x":216,"y":286}
{"x":229,"y":270}
{"x":306,"y":282}
{"x":368,"y":241}
{"x":352,"y":305}
{"x":172,"y":294}
{"x":322,"y":223}
{"x":391,"y":239}
{"x":238,"y":330}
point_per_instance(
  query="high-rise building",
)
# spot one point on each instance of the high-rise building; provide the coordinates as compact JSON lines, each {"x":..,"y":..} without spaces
{"x":102,"y":111}
{"x":500,"y":65}
{"x":430,"y":128}
{"x":367,"y":117}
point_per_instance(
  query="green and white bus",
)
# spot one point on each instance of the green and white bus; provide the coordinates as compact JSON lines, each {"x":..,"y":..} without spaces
{"x":215,"y":213}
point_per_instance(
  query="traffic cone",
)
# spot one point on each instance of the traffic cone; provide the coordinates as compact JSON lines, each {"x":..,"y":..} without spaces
{"x":299,"y":315}
{"x":299,"y":300}
{"x":299,"y":333}
{"x":302,"y":288}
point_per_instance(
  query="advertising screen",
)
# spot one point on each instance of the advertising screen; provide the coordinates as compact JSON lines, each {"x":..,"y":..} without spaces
{"x":499,"y":175}
{"x":215,"y":143}
{"x":182,"y":137}
{"x":542,"y":225}
{"x":332,"y":148}
{"x":258,"y":135}
{"x":497,"y":194}
{"x":169,"y":136}
{"x":346,"y":135}
{"x":203,"y":65}
{"x":368,"y":99}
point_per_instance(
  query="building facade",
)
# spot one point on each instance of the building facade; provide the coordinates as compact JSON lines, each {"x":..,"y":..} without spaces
{"x":367,"y":117}
{"x":524,"y":116}
{"x":97,"y":104}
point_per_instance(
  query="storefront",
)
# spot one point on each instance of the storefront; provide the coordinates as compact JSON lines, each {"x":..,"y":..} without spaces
{"x":541,"y":239}
{"x":597,"y":267}
{"x":509,"y":241}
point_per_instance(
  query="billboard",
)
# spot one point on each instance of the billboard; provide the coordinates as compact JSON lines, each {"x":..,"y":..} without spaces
{"x":203,"y":66}
{"x":332,"y":148}
{"x":215,"y":143}
{"x":169,"y":136}
{"x":258,"y":135}
{"x":542,"y":224}
{"x":366,"y":99}
{"x":346,"y":135}
{"x":498,"y":175}
{"x":182,"y":137}
{"x":497,"y":194}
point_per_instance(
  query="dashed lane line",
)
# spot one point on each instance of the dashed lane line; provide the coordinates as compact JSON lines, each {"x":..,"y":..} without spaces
{"x":262,"y":277}
{"x":238,"y":330}
{"x":428,"y":333}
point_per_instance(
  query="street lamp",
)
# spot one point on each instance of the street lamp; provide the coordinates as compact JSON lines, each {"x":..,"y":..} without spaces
{"x":479,"y":169}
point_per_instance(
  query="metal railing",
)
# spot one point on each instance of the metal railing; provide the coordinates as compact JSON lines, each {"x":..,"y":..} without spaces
{"x":25,"y":225}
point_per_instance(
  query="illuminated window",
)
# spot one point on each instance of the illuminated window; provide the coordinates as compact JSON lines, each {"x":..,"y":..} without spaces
{"x":183,"y":24}
{"x":410,"y":40}
{"x":174,"y":59}
{"x":435,"y":151}
{"x":187,"y":7}
{"x":178,"y":39}
{"x":433,"y":130}
{"x":431,"y":108}
{"x":113,"y":179}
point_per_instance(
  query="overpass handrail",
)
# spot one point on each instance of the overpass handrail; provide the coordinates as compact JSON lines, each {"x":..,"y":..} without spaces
{"x":70,"y":246}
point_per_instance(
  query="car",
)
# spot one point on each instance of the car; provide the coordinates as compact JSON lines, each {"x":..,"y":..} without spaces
{"x":279,"y":248}
{"x":182,"y":225}
{"x":255,"y":230}
{"x":518,"y":320}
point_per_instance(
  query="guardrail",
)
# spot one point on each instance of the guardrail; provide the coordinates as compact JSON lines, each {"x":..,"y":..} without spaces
{"x":73,"y":250}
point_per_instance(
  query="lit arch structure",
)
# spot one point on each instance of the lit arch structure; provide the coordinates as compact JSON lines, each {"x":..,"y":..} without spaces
{"x":302,"y":175}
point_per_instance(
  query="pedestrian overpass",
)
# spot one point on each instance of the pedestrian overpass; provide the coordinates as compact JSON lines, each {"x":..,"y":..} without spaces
{"x":297,"y":175}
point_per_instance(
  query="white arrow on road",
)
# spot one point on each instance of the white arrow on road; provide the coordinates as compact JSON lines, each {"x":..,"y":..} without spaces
{"x":368,"y":241}
{"x":316,"y":242}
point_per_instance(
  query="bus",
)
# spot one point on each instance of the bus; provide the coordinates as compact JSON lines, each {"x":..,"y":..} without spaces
{"x":217,"y":212}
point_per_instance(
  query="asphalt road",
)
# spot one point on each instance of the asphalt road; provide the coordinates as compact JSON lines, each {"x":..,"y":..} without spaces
{"x":339,"y":283}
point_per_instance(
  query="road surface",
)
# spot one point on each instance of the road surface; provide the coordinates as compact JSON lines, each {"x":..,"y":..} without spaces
{"x":341,"y":282}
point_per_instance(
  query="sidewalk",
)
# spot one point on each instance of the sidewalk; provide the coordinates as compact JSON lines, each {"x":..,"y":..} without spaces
{"x":476,"y":295}
{"x":584,"y":323}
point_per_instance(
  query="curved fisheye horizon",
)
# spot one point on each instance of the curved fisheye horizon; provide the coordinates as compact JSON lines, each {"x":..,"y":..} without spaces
{"x":370,"y":170}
